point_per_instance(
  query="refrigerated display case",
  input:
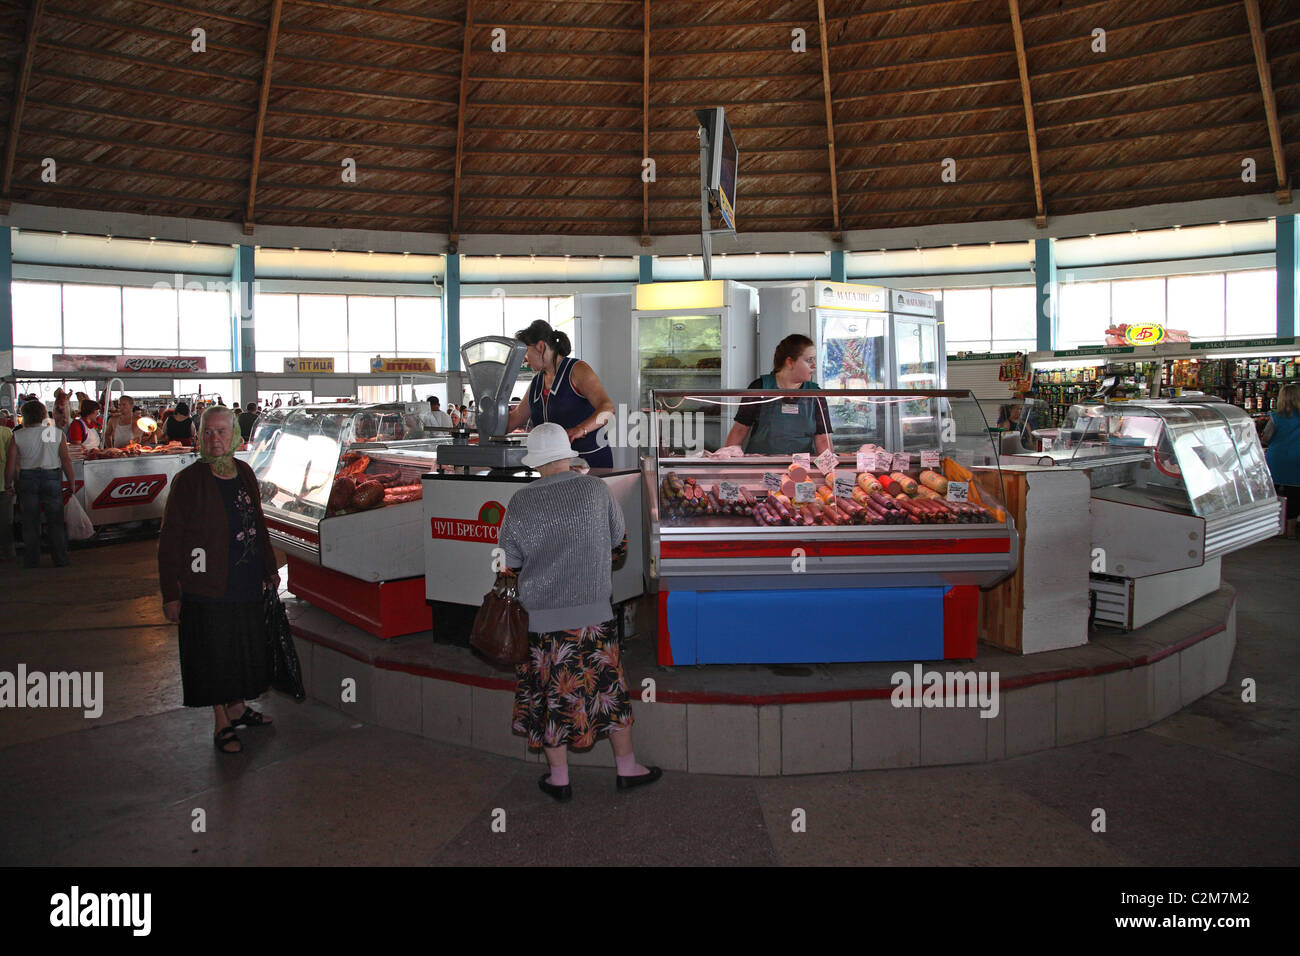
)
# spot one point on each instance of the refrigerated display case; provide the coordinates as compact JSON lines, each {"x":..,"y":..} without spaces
{"x":694,"y":335}
{"x":363,"y":564}
{"x":783,"y":559}
{"x":1175,"y":486}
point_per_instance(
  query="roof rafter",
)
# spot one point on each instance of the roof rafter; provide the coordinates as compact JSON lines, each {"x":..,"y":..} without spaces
{"x":460,"y":119}
{"x":268,"y":62}
{"x":836,"y":235}
{"x":20,"y":98}
{"x":1270,"y":101}
{"x":1040,"y":217}
{"x":645,"y":121}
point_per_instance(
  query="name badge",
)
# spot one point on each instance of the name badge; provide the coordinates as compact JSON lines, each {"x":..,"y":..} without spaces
{"x":789,"y":409}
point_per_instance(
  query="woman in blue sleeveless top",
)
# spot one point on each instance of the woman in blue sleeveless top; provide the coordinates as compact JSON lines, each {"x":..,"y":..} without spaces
{"x":1282,"y":437}
{"x":566,"y":392}
{"x":790,"y":425}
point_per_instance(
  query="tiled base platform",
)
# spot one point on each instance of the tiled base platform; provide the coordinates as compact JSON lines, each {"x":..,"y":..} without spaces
{"x":769,"y":721}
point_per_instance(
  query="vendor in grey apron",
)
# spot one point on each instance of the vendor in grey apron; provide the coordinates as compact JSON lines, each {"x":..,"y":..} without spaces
{"x":785,"y":426}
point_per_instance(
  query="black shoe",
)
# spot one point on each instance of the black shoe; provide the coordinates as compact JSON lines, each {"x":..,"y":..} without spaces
{"x":627,"y":783}
{"x":563,"y":794}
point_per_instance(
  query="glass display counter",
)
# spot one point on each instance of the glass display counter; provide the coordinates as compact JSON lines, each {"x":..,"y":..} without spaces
{"x":742,"y":549}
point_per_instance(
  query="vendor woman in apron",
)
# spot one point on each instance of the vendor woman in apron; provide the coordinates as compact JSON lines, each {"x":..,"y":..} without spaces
{"x":121,"y":429}
{"x":786,"y":426}
{"x":565,"y":391}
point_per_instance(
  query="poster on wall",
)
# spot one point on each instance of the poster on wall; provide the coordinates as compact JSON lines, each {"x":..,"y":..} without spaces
{"x":83,"y":363}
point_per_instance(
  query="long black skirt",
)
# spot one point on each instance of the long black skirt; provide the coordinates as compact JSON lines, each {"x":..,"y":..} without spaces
{"x":223,"y":652}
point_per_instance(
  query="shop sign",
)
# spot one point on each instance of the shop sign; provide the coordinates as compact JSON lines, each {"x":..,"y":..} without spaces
{"x":130,"y":490}
{"x":981,"y":356}
{"x":1107,"y":350}
{"x":84,"y":363}
{"x":484,"y":528}
{"x":913,"y":303}
{"x":162,"y":363}
{"x":1145,"y":333}
{"x":378,"y":365}
{"x":1240,"y":343}
{"x":843,"y":295}
{"x":302,"y":363}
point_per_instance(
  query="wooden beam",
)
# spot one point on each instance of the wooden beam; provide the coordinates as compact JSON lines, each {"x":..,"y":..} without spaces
{"x":20,"y":94}
{"x":116,"y":26}
{"x":1040,"y":218}
{"x":830,"y":122}
{"x":1270,"y":101}
{"x":377,"y":12}
{"x":460,"y":120}
{"x":297,"y":30}
{"x":268,"y":61}
{"x":645,"y":120}
{"x":154,"y":65}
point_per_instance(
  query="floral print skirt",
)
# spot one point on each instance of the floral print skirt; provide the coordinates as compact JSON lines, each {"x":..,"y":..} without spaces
{"x":572,"y":691}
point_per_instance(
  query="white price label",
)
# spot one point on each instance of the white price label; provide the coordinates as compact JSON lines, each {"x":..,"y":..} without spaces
{"x":844,"y":485}
{"x":883,"y":464}
{"x":827,"y":461}
{"x":866,"y":461}
{"x":902,"y":462}
{"x":801,"y":458}
{"x":959,"y":491}
{"x":804,"y":492}
{"x":930,"y":459}
{"x":729,"y":491}
{"x":1047,"y":444}
{"x":771,"y":481}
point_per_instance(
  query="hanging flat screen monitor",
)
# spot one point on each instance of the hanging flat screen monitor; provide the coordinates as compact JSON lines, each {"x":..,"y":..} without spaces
{"x":723,"y":160}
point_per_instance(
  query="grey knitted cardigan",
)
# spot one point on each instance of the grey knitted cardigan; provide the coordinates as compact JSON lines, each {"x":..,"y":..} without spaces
{"x":560,"y":531}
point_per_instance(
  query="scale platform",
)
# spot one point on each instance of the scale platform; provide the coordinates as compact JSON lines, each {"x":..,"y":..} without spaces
{"x":494,"y":454}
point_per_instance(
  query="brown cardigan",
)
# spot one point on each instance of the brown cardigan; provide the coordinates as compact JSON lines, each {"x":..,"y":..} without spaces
{"x":196,"y":518}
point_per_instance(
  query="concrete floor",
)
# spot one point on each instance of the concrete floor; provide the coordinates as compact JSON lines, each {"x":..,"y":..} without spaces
{"x":1215,"y":784}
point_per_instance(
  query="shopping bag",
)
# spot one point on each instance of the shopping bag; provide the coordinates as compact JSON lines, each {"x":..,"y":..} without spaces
{"x":80,"y":527}
{"x":286,"y":671}
{"x":500,"y":631}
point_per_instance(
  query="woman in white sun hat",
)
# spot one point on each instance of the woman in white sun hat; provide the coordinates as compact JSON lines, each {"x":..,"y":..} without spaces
{"x":559,"y":534}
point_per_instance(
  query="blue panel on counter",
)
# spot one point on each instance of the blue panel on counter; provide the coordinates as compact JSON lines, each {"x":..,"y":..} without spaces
{"x":813,"y":626}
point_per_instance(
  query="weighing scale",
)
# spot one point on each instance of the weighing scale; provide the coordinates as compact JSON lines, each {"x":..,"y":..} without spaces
{"x":492,"y":364}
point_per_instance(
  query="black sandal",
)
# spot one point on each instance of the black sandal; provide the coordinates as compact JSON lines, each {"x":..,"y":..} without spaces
{"x":224,"y":737}
{"x":251,"y":718}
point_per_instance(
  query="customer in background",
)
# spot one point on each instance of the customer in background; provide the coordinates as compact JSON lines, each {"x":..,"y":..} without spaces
{"x":82,"y":430}
{"x":248,"y":420}
{"x":39,"y":452}
{"x":6,"y":499}
{"x":180,"y":427}
{"x":1282,"y":440}
{"x":435,"y":417}
{"x":214,"y":509}
{"x":560,"y":533}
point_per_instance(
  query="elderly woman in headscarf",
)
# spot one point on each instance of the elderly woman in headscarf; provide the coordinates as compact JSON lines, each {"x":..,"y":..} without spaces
{"x":214,"y":562}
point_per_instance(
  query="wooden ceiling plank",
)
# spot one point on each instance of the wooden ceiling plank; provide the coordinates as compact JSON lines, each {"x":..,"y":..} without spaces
{"x":377,"y":12}
{"x":81,"y":138}
{"x":1139,"y":87}
{"x":553,"y":105}
{"x":34,"y":10}
{"x":152,"y":64}
{"x":365,"y":94}
{"x":645,"y":119}
{"x":919,"y":91}
{"x":944,"y":114}
{"x":367,"y":118}
{"x":836,"y":235}
{"x":460,"y":119}
{"x":116,"y":26}
{"x":99,"y":83}
{"x":1152,"y":53}
{"x":268,"y":63}
{"x":365,"y":66}
{"x":208,"y":14}
{"x":1163,"y":107}
{"x":1040,"y":218}
{"x":322,"y":33}
{"x":145,"y":172}
{"x":136,"y":118}
{"x":1270,"y":101}
{"x":564,"y":80}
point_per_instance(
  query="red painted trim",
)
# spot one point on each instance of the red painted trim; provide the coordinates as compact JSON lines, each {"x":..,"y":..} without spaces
{"x":382,"y":608}
{"x":309,"y":536}
{"x":664,"y":644}
{"x":437,"y":673}
{"x":960,"y":621}
{"x":782,"y":549}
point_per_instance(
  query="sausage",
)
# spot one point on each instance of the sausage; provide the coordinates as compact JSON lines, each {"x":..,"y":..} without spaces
{"x":908,"y":484}
{"x":403,"y":489}
{"x":934,"y":481}
{"x":341,"y":493}
{"x":368,"y":495}
{"x":869,"y":482}
{"x":401,"y":499}
{"x":893,"y":488}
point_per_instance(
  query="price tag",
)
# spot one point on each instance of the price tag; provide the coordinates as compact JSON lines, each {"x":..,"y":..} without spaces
{"x":804,"y":492}
{"x":801,"y":458}
{"x":1047,"y":444}
{"x":844,"y":485}
{"x":827,"y":462}
{"x":729,"y":491}
{"x":959,"y":491}
{"x":866,"y":461}
{"x":771,"y":481}
{"x":930,"y":459}
{"x":882,"y":462}
{"x":902,"y":462}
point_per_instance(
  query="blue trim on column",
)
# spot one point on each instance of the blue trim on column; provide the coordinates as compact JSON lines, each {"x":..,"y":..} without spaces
{"x":242,"y":277}
{"x":6,"y":276}
{"x":451,"y":305}
{"x":647,"y":266}
{"x":1288,"y":264}
{"x":1047,"y":300}
{"x":839,"y":266}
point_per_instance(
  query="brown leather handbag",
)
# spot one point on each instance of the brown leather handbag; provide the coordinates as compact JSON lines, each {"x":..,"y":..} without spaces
{"x":500,"y":630}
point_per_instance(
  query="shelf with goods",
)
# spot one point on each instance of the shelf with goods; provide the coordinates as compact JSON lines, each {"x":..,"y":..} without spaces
{"x":1061,"y":388}
{"x":1251,"y":384}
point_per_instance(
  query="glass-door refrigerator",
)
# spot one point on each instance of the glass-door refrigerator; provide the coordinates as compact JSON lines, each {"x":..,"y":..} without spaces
{"x":695,"y":336}
{"x":918,"y":361}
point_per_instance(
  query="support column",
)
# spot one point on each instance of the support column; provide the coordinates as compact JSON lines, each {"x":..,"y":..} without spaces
{"x":242,"y":288}
{"x":6,"y":302}
{"x":451,"y":312}
{"x":1048,"y":296}
{"x":647,"y":266}
{"x":1288,"y":264}
{"x":839,"y":266}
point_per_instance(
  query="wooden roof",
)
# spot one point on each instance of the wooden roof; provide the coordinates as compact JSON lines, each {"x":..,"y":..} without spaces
{"x":547,"y":136}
